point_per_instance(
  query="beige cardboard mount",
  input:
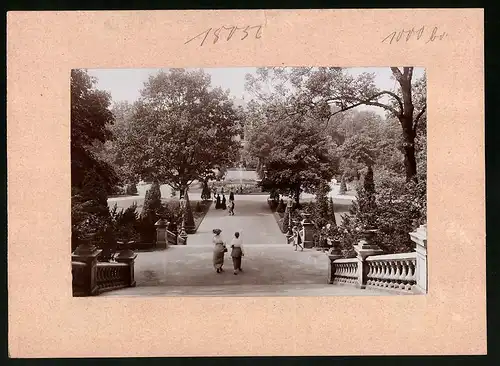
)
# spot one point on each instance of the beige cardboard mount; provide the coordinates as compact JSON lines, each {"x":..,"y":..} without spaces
{"x":46,"y":321}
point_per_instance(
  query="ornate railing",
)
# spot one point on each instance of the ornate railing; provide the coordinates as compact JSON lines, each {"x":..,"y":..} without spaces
{"x":392,"y":271}
{"x":112,"y":276}
{"x":92,"y":278}
{"x":403,"y":273}
{"x":345,"y":271}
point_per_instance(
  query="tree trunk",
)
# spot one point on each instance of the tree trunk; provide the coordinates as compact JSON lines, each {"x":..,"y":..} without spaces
{"x":406,"y":119}
{"x":297,"y":194}
{"x":409,"y":149}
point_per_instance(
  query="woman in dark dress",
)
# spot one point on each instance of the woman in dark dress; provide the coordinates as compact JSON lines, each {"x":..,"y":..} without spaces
{"x":217,"y":202}
{"x":223,"y":206}
{"x":231,"y":196}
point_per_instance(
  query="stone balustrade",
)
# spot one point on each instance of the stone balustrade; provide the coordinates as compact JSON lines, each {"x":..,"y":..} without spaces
{"x":345,"y":271}
{"x":91,"y":278}
{"x":402,"y":273}
{"x":111,"y":276}
{"x":392,"y":271}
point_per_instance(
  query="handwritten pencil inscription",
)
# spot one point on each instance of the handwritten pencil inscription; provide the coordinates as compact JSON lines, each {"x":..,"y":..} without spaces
{"x":422,"y":33}
{"x":224,"y":33}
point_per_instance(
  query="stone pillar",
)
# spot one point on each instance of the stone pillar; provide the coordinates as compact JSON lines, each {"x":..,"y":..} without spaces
{"x":333,"y":254}
{"x":161,"y":234}
{"x":419,"y":237}
{"x":88,"y":253}
{"x":364,"y":249}
{"x":307,"y":231}
{"x":128,"y":256}
{"x":182,"y":235}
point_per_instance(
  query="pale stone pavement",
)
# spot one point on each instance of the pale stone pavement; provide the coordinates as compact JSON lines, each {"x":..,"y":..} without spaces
{"x":271,"y":267}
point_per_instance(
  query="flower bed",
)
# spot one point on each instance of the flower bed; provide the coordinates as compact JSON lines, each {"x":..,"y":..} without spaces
{"x":200,"y":209}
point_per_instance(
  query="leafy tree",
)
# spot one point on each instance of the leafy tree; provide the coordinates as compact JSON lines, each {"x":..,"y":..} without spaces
{"x":296,"y":155}
{"x":90,"y":123}
{"x":321,"y":214}
{"x":331,"y":212}
{"x":131,"y":189}
{"x":111,"y":150}
{"x":151,"y":211}
{"x":325,"y":91}
{"x":152,"y":200}
{"x":92,"y":179}
{"x":182,"y":129}
{"x":343,"y":185}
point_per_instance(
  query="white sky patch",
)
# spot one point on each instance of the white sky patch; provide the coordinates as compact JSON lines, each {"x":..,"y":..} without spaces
{"x":125,"y":84}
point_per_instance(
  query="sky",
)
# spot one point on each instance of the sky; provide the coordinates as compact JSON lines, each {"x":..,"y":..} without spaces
{"x":125,"y":84}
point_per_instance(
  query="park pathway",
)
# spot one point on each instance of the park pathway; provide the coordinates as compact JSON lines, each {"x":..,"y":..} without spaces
{"x":271,"y":267}
{"x":253,"y":220}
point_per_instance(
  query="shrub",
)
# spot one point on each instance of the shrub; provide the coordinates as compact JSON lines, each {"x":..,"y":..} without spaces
{"x":395,"y":209}
{"x":131,"y":189}
{"x":90,"y":215}
{"x":126,"y":223}
{"x":343,"y":185}
{"x":281,"y":207}
{"x":331,"y":212}
{"x":150,"y":213}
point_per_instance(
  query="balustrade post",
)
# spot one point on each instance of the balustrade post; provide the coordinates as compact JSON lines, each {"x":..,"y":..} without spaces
{"x":364,"y":249}
{"x":128,"y":256}
{"x":419,"y":237}
{"x":182,"y":237}
{"x":88,"y":253}
{"x":161,"y":234}
{"x":333,"y":254}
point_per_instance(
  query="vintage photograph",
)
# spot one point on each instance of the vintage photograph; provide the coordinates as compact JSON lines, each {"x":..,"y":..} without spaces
{"x":249,"y":181}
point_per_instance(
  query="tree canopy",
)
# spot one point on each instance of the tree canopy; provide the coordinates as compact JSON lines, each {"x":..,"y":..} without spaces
{"x":294,"y":153}
{"x":182,"y":129}
{"x":90,"y":123}
{"x":321,"y":93}
{"x":92,"y":179}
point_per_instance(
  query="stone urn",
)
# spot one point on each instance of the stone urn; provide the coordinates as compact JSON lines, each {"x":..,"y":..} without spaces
{"x":306,"y":218}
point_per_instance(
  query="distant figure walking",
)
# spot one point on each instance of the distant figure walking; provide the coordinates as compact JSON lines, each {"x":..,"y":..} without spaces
{"x":231,"y":195}
{"x":217,"y":202}
{"x":223,"y":206}
{"x":219,"y":250}
{"x":231,"y":207}
{"x":237,"y":252}
{"x":297,"y":239}
{"x":214,"y":192}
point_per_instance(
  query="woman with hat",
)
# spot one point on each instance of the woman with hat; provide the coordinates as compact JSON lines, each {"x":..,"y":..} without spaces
{"x":219,"y":250}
